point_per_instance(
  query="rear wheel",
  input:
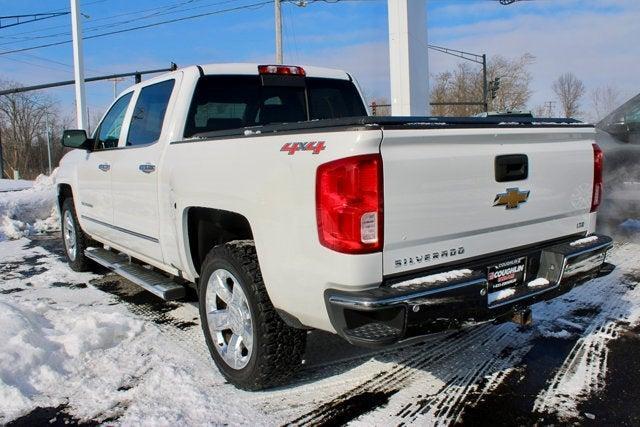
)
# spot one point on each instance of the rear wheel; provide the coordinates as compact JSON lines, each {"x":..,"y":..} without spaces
{"x":74,"y":240}
{"x":251,"y":346}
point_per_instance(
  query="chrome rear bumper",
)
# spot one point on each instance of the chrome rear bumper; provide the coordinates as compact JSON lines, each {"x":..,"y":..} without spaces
{"x":389,"y":313}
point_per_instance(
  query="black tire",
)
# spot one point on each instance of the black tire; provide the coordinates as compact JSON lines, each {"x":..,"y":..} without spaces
{"x":79,"y":262}
{"x":277,"y":348}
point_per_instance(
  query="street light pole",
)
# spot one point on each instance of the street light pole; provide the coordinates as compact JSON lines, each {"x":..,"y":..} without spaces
{"x":78,"y":64}
{"x":278,"y":11}
{"x":473,"y":57}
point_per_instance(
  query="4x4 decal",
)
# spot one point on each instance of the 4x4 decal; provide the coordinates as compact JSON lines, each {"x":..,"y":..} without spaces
{"x":314,"y":146}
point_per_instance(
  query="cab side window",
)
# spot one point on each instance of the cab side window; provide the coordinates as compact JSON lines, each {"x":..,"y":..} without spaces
{"x":148,"y":115}
{"x":108,"y":132}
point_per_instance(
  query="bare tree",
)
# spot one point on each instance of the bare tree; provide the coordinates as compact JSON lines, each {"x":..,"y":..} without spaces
{"x":25,"y":120}
{"x":569,"y":89}
{"x":604,"y":100}
{"x":464,"y":84}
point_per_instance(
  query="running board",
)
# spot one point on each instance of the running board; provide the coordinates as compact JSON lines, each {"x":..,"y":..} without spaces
{"x":154,"y":282}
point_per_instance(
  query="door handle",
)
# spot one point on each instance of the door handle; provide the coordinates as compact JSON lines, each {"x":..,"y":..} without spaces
{"x":147,"y":168}
{"x":104,"y":167}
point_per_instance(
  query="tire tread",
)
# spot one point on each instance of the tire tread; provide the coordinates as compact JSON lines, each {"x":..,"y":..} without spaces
{"x":281,"y":346}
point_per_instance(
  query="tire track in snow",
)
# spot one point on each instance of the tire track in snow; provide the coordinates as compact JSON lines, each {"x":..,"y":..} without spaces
{"x":464,"y":383}
{"x":431,"y":382}
{"x":583,"y":372}
{"x":406,"y":371}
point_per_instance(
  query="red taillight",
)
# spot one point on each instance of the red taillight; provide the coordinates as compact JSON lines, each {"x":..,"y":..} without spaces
{"x":349,"y":204}
{"x":596,"y":197}
{"x":290,"y":70}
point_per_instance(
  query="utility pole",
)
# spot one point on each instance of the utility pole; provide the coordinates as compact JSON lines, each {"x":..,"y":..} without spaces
{"x":48,"y":140}
{"x":78,"y":64}
{"x":485,"y":92}
{"x":1,"y":159}
{"x":550,"y":108}
{"x":115,"y":81}
{"x":278,"y":10}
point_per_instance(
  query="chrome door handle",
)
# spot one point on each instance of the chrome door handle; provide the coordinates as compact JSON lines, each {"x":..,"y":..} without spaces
{"x":147,"y":168}
{"x":104,"y":167}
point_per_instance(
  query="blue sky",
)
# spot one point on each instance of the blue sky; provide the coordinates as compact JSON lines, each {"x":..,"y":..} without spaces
{"x":595,"y":39}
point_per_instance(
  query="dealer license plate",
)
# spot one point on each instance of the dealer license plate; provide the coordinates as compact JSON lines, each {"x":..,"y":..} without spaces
{"x":507,"y":274}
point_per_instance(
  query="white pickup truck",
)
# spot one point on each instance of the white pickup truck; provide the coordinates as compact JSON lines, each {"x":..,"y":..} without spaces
{"x":271,"y":192}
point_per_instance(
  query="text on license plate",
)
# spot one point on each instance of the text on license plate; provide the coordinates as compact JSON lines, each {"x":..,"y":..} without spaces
{"x":507,"y":273}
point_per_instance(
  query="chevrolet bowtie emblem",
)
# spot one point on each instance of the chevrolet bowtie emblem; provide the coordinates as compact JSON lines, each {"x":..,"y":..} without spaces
{"x":511,"y":199}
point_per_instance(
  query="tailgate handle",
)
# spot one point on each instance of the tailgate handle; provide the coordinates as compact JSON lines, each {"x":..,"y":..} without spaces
{"x":511,"y":167}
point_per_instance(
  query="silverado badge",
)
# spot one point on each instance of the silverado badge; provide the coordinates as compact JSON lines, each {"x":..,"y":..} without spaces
{"x":511,"y":198}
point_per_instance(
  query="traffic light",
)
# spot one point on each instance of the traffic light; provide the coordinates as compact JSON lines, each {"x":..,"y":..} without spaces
{"x":494,"y":85}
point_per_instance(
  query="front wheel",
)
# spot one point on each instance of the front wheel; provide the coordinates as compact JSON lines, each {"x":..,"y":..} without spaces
{"x":74,"y":240}
{"x":250,"y":344}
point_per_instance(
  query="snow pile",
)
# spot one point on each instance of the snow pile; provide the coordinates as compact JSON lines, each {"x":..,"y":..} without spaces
{"x":14,"y":184}
{"x":39,"y":352}
{"x":29,"y":211}
{"x":63,"y":342}
{"x":434,"y":278}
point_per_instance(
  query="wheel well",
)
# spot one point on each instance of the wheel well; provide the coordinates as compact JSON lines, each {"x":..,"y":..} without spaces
{"x":211,"y":227}
{"x":64,"y":192}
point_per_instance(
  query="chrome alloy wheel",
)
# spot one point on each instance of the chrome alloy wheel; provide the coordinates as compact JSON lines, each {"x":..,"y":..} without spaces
{"x":69,"y":235}
{"x":229,"y":318}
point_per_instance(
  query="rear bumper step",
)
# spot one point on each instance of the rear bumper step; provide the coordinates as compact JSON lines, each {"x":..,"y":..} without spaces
{"x":387,"y":314}
{"x":154,"y":282}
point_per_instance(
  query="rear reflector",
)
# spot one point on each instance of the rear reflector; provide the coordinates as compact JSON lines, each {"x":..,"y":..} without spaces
{"x":287,"y":70}
{"x":598,"y":159}
{"x":349,"y":204}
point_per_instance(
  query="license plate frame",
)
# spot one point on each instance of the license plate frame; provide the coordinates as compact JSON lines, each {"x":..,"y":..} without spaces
{"x":507,"y":274}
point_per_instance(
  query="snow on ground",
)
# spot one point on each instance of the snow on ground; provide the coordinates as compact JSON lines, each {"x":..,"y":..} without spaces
{"x":66,"y":343}
{"x":29,"y":211}
{"x":14,"y":184}
{"x":69,"y":344}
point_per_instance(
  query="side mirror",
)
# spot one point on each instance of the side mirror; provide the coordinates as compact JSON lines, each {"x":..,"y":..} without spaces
{"x":76,"y":138}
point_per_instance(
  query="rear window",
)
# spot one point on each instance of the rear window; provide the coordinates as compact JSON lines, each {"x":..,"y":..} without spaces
{"x":231,"y":102}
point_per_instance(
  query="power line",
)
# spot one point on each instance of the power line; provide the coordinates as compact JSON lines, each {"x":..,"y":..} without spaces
{"x":159,"y":11}
{"x":25,"y":19}
{"x":155,"y":24}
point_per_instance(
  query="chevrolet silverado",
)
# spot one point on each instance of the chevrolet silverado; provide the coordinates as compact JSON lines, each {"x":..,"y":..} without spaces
{"x":270,"y":190}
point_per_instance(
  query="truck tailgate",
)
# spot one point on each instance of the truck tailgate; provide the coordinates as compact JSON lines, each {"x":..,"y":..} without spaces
{"x":443,"y":203}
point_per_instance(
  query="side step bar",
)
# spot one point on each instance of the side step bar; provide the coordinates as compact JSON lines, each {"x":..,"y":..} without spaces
{"x":154,"y":282}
